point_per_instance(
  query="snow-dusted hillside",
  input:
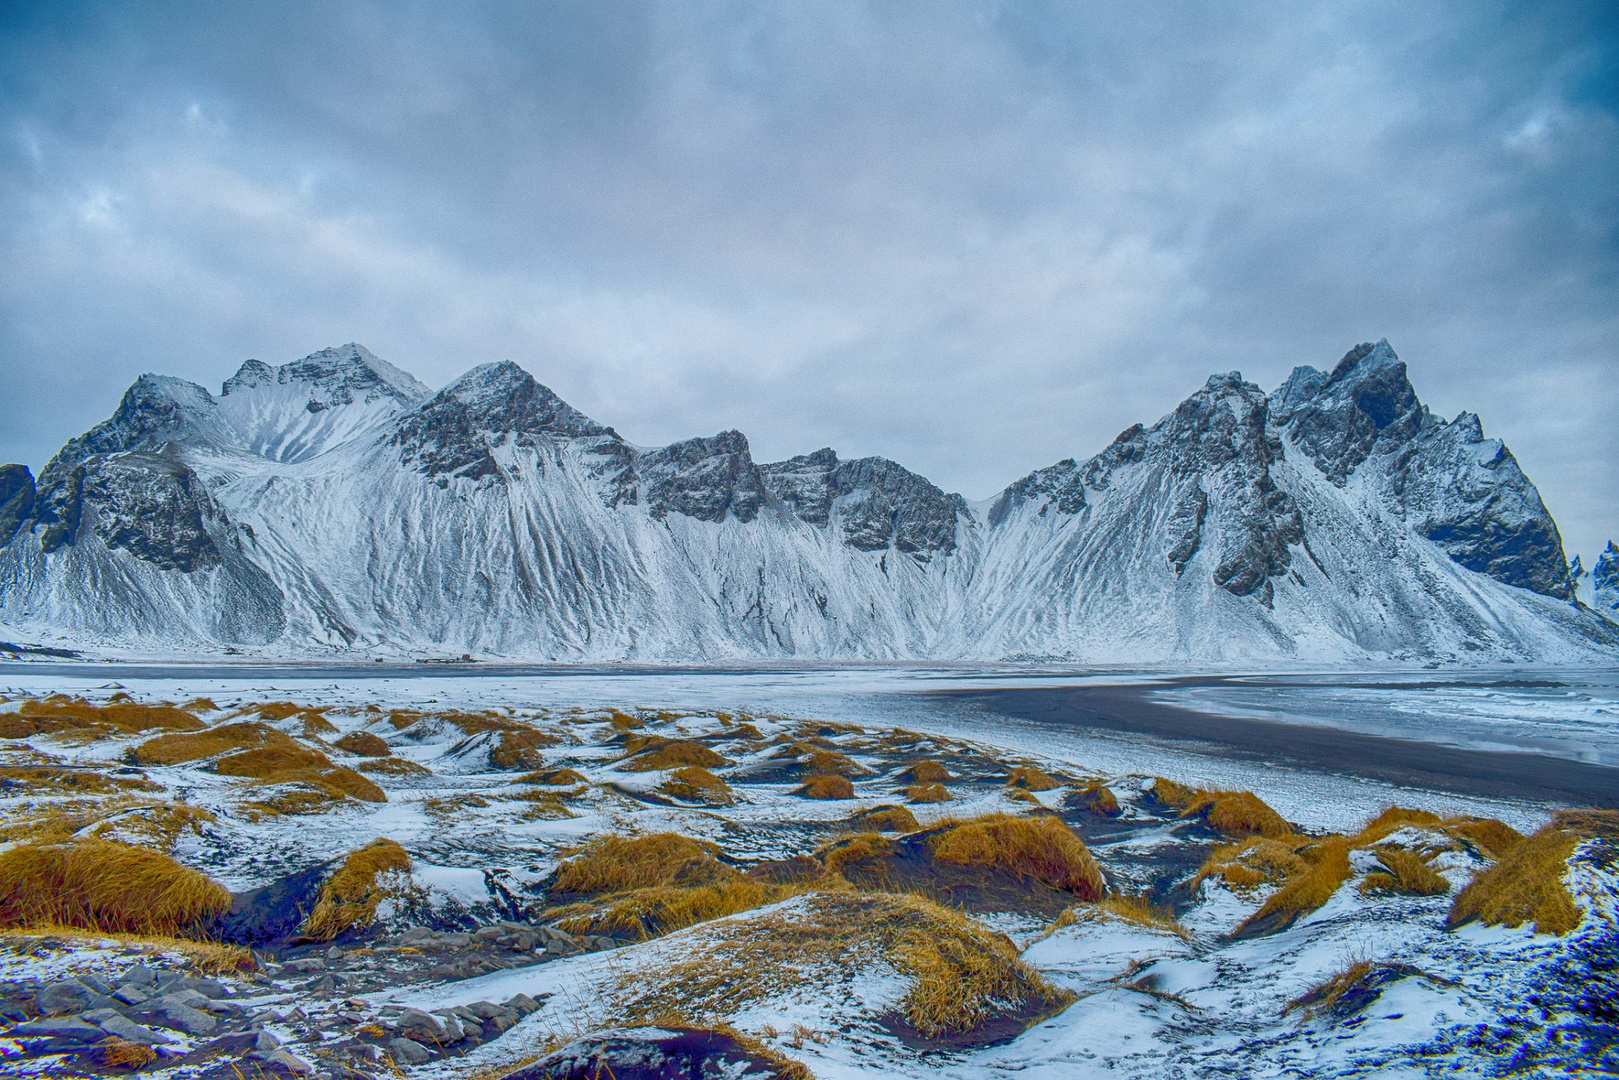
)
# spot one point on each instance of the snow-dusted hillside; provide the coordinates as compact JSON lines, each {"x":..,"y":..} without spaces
{"x":335,"y":503}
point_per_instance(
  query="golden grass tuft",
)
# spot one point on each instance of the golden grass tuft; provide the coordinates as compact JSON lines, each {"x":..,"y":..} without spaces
{"x":61,"y":714}
{"x":696,"y":784}
{"x":622,"y":721}
{"x":619,"y":864}
{"x":960,"y":974}
{"x":857,"y":850}
{"x":826,"y":787}
{"x":115,"y":1053}
{"x":1526,"y":886}
{"x":927,"y":793}
{"x":180,"y":748}
{"x":1493,"y":839}
{"x":209,"y":957}
{"x":554,"y":778}
{"x":831,"y":763}
{"x":1040,"y":847}
{"x":1326,"y":866}
{"x":298,"y":765}
{"x":643,"y":887}
{"x":1323,"y":996}
{"x":274,"y":710}
{"x":1131,"y":909}
{"x":674,"y":754}
{"x":1255,"y":861}
{"x":517,"y":745}
{"x":886,"y":819}
{"x":1404,"y":872}
{"x":926,"y":772}
{"x":351,"y":895}
{"x":1030,"y":778}
{"x":1099,"y":797}
{"x":73,"y":780}
{"x":105,"y":886}
{"x":364,"y":744}
{"x":394,"y":766}
{"x":1233,"y":813}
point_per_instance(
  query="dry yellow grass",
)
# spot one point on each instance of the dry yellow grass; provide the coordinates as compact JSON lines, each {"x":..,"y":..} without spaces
{"x":553,"y":778}
{"x":60,"y":714}
{"x":1404,"y":872}
{"x":619,"y":864}
{"x":1323,"y":996}
{"x":141,"y":821}
{"x":115,"y":1053}
{"x":1099,"y":797}
{"x":831,"y":763}
{"x":646,"y":886}
{"x":75,"y":780}
{"x":674,"y":754}
{"x":927,"y":793}
{"x":394,"y":766}
{"x":854,"y":850}
{"x":180,"y":748}
{"x":364,"y":744}
{"x":696,"y":784}
{"x":517,"y":745}
{"x":1132,"y":909}
{"x":351,"y":895}
{"x":886,"y":819}
{"x":1234,"y":813}
{"x":826,"y":787}
{"x":297,"y":765}
{"x":210,"y":957}
{"x":1326,"y":866}
{"x":1255,"y":861}
{"x":926,"y":772}
{"x":1041,"y":847}
{"x":1526,"y":886}
{"x":1030,"y":778}
{"x":105,"y":886}
{"x":959,"y":973}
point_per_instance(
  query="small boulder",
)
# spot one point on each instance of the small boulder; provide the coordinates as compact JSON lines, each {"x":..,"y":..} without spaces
{"x":653,"y":1054}
{"x":129,"y":1031}
{"x":409,"y":1051}
{"x":422,"y":1027}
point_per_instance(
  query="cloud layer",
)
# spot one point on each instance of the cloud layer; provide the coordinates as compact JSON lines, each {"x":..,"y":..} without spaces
{"x":975,"y":238}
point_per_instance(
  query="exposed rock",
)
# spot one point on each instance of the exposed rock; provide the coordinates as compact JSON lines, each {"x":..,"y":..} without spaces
{"x":706,"y":479}
{"x":652,"y":1054}
{"x":877,"y":503}
{"x":16,"y":499}
{"x":409,"y":1051}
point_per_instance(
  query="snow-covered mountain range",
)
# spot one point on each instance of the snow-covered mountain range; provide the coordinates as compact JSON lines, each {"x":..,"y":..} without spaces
{"x":336,"y":504}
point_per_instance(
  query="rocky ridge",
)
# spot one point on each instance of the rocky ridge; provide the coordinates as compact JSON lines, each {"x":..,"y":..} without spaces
{"x":334,"y":502}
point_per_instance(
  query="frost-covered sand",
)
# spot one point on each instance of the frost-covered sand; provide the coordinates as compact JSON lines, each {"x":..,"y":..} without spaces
{"x":1149,"y":1002}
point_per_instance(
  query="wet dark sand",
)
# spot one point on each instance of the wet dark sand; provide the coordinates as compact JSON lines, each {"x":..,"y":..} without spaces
{"x":1493,"y":774}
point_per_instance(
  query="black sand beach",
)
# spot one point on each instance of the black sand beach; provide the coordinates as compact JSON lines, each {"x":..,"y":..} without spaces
{"x":1131,"y":709}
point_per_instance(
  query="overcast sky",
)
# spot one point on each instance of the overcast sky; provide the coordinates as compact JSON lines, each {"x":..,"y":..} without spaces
{"x":975,"y":238}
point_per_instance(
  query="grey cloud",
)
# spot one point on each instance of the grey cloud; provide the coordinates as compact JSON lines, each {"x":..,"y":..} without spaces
{"x":972,"y":237}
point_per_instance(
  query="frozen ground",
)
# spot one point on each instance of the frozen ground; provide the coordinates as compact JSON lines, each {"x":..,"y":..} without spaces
{"x":1150,"y":1003}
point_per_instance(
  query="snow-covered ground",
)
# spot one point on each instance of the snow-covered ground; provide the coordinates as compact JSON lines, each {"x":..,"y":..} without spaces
{"x":1150,"y":1003}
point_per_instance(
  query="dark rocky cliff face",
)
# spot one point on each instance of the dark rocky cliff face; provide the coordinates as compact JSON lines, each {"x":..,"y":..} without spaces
{"x":879,"y":504}
{"x":334,"y":377}
{"x":16,"y":500}
{"x":704,"y":478}
{"x":452,"y":434}
{"x":1460,"y":490}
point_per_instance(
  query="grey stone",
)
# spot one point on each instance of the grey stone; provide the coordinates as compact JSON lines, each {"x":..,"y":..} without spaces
{"x":409,"y":1051}
{"x":420,"y":1026}
{"x":453,"y":1032}
{"x":305,"y":965}
{"x":180,"y":1016}
{"x":130,"y":995}
{"x":67,"y":996}
{"x":522,"y":1004}
{"x":57,"y":1028}
{"x":208,"y":988}
{"x":140,"y":975}
{"x":296,"y":1065}
{"x":96,"y":983}
{"x":129,"y":1031}
{"x":264,"y":1040}
{"x":489,"y":933}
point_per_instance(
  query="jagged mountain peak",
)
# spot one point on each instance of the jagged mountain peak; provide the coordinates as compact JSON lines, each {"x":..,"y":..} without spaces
{"x":453,"y":432}
{"x":333,"y":376}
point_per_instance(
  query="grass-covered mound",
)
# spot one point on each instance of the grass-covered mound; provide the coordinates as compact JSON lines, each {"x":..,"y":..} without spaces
{"x":256,"y":751}
{"x":644,"y":887}
{"x":350,"y":897}
{"x":1231,"y":813}
{"x":1526,"y":885}
{"x":109,"y":887}
{"x":63,"y":715}
{"x":965,"y":984}
{"x":997,"y":862}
